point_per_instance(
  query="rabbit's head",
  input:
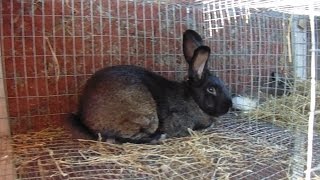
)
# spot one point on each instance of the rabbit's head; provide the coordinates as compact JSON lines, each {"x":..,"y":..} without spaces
{"x":208,"y":91}
{"x":280,"y":84}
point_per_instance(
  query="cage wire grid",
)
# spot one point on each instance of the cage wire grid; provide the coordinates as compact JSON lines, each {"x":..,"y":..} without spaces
{"x":49,"y":49}
{"x":73,"y":41}
{"x":216,"y":20}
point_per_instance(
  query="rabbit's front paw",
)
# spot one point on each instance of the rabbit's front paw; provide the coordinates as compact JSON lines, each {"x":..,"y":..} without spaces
{"x":159,"y":140}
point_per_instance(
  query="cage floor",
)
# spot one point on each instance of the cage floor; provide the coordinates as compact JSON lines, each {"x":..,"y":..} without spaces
{"x":233,"y":149}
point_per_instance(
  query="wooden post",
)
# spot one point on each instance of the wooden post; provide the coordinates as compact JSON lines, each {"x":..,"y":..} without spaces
{"x":6,"y":155}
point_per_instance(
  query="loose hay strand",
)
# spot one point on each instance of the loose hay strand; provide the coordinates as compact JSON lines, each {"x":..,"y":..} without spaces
{"x":55,"y":60}
{"x":290,"y":111}
{"x":203,"y":155}
{"x":57,"y":164}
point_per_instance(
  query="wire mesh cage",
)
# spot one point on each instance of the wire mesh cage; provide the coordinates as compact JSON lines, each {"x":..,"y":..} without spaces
{"x":266,"y":51}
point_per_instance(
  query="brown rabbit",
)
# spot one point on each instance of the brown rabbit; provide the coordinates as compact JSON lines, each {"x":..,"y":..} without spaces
{"x":131,"y":104}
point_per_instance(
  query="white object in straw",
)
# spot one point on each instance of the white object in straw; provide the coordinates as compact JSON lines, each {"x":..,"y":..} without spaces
{"x":244,"y":103}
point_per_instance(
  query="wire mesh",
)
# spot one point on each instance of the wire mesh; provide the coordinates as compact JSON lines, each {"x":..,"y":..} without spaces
{"x":261,"y":38}
{"x":58,"y":156}
{"x":298,"y":7}
{"x":49,"y":49}
{"x":248,"y":46}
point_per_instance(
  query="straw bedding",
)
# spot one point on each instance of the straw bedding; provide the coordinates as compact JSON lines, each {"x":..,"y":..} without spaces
{"x":212,"y":154}
{"x":290,"y":111}
{"x":215,"y":153}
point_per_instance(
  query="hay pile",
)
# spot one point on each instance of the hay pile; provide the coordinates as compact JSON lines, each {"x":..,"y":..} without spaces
{"x":203,"y":155}
{"x":290,"y":111}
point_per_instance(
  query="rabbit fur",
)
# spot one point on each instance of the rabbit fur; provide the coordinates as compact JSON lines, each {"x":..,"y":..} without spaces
{"x":131,"y":104}
{"x":279,"y":84}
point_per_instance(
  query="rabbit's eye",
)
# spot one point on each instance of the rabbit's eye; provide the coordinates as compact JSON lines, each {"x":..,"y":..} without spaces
{"x":211,"y":90}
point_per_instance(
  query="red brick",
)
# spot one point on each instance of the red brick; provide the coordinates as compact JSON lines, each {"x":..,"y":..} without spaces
{"x":23,"y":106}
{"x":52,"y":85}
{"x":13,"y":107}
{"x":11,"y":87}
{"x":42,"y":86}
{"x":63,"y":103}
{"x":43,"y":106}
{"x":62,"y":85}
{"x":54,"y":105}
{"x":21,"y":87}
{"x":71,"y":84}
{"x":32,"y":86}
{"x":9,"y":67}
{"x":73,"y":103}
{"x":33,"y":105}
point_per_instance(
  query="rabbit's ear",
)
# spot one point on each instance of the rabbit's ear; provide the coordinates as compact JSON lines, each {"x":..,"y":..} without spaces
{"x":199,"y":61}
{"x":191,"y":41}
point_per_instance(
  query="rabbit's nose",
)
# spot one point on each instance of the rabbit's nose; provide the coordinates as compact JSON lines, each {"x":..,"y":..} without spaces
{"x":227,"y":105}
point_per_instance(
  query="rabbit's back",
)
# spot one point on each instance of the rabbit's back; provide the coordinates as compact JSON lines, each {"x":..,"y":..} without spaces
{"x":117,"y":103}
{"x":136,"y":105}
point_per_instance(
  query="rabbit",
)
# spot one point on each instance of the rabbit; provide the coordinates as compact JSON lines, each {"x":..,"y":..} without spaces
{"x":128,"y":103}
{"x":279,"y":85}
